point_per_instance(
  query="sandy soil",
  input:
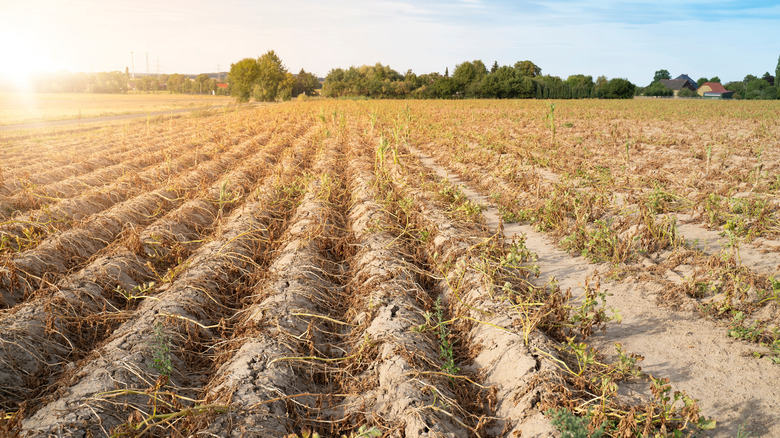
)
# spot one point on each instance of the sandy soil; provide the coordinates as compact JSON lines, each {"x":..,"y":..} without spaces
{"x":732,"y":386}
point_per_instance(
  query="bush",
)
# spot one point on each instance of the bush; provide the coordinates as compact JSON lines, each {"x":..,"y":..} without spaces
{"x":617,"y":88}
{"x":571,"y":426}
{"x":687,"y":92}
{"x":657,"y":89}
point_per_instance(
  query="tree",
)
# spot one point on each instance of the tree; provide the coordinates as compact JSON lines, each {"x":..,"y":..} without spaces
{"x":446,"y":72}
{"x":701,"y":81}
{"x":715,"y":79}
{"x":495,"y":67}
{"x":467,"y":77}
{"x":286,"y":87}
{"x":443,"y":87}
{"x":601,"y":82}
{"x":109,"y":82}
{"x":658,"y":89}
{"x":242,"y":78}
{"x":769,"y":78}
{"x":581,"y":86}
{"x":738,"y":87}
{"x":202,"y":84}
{"x":175,"y":83}
{"x":271,"y":76}
{"x":661,"y":74}
{"x":507,"y":83}
{"x":777,"y":69}
{"x":305,"y":83}
{"x":145,"y":84}
{"x":687,"y":92}
{"x":759,"y":89}
{"x":617,"y":88}
{"x":528,"y":68}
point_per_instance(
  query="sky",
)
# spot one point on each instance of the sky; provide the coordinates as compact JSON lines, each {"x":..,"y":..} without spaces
{"x":628,"y":39}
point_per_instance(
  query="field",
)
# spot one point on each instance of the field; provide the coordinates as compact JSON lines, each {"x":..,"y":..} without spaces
{"x":393,"y":268}
{"x":16,"y":108}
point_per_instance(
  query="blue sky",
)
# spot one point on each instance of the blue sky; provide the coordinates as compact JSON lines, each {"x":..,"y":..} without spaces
{"x":618,"y":39}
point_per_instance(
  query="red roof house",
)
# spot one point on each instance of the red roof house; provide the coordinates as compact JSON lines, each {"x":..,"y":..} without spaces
{"x":714,"y":90}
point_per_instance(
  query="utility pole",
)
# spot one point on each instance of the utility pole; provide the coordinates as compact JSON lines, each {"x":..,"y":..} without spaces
{"x":132,"y":65}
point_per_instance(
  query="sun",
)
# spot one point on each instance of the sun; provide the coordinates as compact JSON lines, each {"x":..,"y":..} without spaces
{"x":21,"y":58}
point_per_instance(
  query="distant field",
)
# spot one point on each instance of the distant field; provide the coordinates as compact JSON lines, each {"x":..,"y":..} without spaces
{"x":25,"y":107}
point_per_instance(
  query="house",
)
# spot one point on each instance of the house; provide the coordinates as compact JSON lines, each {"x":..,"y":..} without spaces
{"x":714,"y":90}
{"x":685,"y":77}
{"x":678,"y":84}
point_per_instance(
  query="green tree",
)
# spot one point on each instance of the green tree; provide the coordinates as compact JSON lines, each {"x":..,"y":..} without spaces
{"x":467,"y":77}
{"x":305,"y":83}
{"x":601,"y":82}
{"x":242,"y":78}
{"x":175,"y":83}
{"x":661,"y":74}
{"x":202,"y":84}
{"x":658,"y":89}
{"x":495,"y":67}
{"x":528,"y":68}
{"x":759,"y":89}
{"x":777,"y":69}
{"x":617,"y":88}
{"x":335,"y":83}
{"x":507,"y":83}
{"x":581,"y":86}
{"x":145,"y":84}
{"x":270,"y":79}
{"x":715,"y":79}
{"x":769,"y":78}
{"x":701,"y":81}
{"x":443,"y":87}
{"x":286,"y":87}
{"x":738,"y":87}
{"x":109,"y":82}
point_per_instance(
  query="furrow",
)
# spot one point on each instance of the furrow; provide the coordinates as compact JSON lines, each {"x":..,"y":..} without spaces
{"x":42,"y":333}
{"x":158,"y":160}
{"x":55,"y":256}
{"x":505,"y":358}
{"x":157,"y":343}
{"x":403,"y":389}
{"x":277,"y":336}
{"x":62,"y":161}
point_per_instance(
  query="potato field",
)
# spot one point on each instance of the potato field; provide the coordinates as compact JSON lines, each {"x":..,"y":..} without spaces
{"x":395,"y":268}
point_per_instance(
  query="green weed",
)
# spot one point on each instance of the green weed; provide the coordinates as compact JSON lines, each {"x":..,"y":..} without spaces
{"x":445,"y":346}
{"x":161,"y":355}
{"x":572,"y":426}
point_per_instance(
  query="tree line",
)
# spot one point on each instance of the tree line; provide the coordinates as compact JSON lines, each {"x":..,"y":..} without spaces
{"x":267,"y":79}
{"x":523,"y":80}
{"x":122,"y":82}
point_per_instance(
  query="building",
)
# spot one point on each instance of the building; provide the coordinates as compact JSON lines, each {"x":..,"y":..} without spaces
{"x":714,"y":90}
{"x":678,"y":84}
{"x":685,"y":77}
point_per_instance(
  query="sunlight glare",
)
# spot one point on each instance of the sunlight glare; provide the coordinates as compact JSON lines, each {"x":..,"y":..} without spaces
{"x":20,"y":58}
